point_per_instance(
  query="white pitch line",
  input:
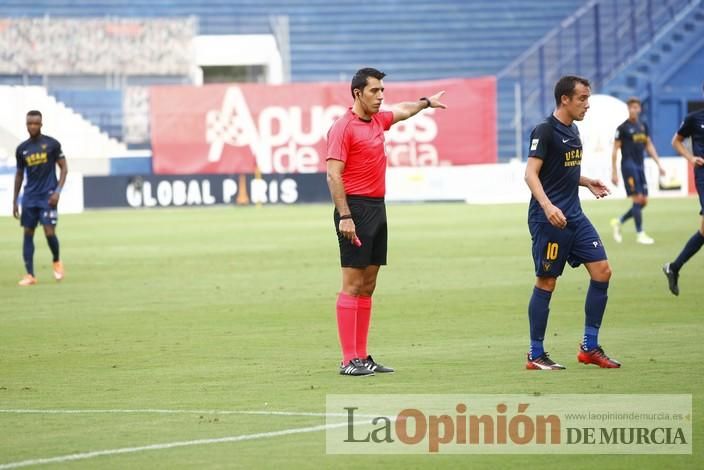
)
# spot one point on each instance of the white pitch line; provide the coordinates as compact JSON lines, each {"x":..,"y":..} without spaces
{"x":168,"y":445}
{"x":162,"y":411}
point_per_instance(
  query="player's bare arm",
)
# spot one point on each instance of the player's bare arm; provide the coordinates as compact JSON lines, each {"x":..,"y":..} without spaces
{"x":63,"y":167}
{"x":19,"y":177}
{"x":614,"y":158}
{"x":337,"y":190}
{"x":678,"y":144}
{"x":552,"y":212}
{"x":407,"y":109}
{"x":650,"y":148}
{"x":597,"y":188}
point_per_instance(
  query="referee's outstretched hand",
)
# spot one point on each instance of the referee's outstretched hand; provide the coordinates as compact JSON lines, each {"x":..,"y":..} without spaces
{"x":435,"y":100}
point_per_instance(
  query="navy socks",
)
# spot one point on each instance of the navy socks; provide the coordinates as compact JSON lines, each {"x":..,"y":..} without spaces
{"x":690,"y":249}
{"x":28,"y":253}
{"x":538,"y":310}
{"x":53,"y":246}
{"x":594,"y":308}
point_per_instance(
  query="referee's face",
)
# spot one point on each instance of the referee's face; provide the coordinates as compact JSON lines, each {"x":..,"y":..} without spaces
{"x":372,"y":95}
{"x":578,"y":103}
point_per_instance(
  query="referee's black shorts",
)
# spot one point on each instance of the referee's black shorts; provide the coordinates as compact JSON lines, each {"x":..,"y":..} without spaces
{"x":369,"y":216}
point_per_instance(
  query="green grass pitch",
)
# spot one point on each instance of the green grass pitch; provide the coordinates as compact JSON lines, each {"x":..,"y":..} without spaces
{"x":232,"y":308}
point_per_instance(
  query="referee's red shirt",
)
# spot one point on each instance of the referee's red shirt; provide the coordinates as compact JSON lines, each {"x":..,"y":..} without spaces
{"x":360,"y":145}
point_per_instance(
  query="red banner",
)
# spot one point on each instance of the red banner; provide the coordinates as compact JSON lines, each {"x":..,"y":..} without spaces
{"x":282,"y":128}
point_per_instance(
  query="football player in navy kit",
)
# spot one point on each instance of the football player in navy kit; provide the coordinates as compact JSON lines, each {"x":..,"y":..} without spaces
{"x":38,"y":157}
{"x":692,"y":127}
{"x":560,"y":231}
{"x":633,"y":138}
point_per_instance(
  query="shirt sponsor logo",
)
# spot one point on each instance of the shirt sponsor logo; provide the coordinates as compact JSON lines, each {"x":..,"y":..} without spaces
{"x":640,"y":138}
{"x":573,"y":157}
{"x":534,"y":144}
{"x":37,"y":159}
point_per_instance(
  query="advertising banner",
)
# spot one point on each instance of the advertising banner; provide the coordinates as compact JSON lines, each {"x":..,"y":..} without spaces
{"x":243,"y":128}
{"x":203,"y":190}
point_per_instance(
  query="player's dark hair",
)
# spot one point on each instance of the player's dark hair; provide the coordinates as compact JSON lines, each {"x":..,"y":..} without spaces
{"x":359,"y":81}
{"x":34,"y":112}
{"x":566,"y":86}
{"x":632,"y":100}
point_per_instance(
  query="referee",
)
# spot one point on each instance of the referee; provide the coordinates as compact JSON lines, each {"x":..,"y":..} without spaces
{"x":356,"y":174}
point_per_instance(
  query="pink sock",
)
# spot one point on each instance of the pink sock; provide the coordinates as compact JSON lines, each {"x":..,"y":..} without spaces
{"x":364,"y":314}
{"x":347,"y":325}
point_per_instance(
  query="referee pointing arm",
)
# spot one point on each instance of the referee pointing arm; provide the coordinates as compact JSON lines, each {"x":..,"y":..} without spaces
{"x":356,"y":174}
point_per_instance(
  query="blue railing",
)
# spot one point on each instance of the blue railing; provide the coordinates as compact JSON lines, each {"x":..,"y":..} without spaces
{"x":597,"y":42}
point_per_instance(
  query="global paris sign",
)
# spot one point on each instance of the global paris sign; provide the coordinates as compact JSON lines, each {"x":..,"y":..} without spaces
{"x":282,"y":129}
{"x":203,"y":190}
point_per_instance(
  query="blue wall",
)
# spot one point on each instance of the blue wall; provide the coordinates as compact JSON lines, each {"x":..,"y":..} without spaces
{"x":667,"y":105}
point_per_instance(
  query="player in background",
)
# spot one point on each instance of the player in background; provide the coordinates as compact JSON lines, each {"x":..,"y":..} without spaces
{"x":38,"y":157}
{"x":561,"y":233}
{"x":632,"y":138}
{"x":692,"y":126}
{"x":356,"y":174}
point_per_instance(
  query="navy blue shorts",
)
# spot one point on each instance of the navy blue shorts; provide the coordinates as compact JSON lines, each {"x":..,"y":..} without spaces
{"x":576,"y":244}
{"x":699,"y":183}
{"x":634,"y":180}
{"x":33,"y":215}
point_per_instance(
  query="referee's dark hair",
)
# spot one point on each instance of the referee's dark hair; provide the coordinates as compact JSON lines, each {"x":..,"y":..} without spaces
{"x":34,"y":112}
{"x":359,"y":81}
{"x":566,"y":85}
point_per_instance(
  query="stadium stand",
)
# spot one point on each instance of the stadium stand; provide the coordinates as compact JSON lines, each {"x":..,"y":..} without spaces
{"x":616,"y":44}
{"x":103,"y":107}
{"x":621,"y":45}
{"x":80,"y":139}
{"x":662,"y":73}
{"x":96,"y":46}
{"x":458,"y":38}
